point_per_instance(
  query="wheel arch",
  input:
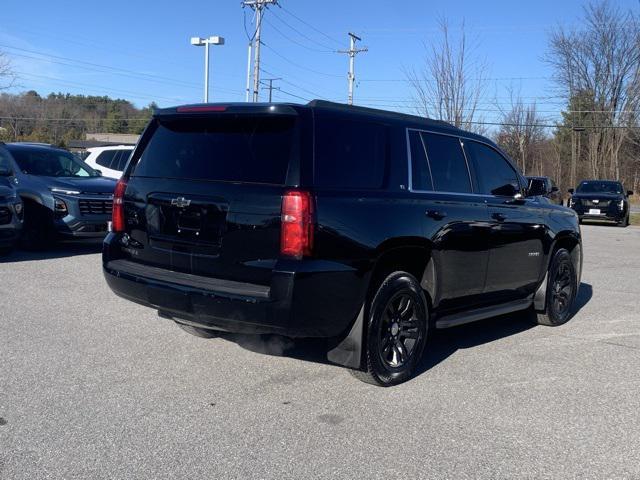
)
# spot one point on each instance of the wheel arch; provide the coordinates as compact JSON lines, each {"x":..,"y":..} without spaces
{"x":410,"y":254}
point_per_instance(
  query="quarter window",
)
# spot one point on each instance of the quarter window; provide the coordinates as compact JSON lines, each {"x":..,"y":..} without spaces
{"x":349,"y":153}
{"x":449,"y":169}
{"x":495,"y":174}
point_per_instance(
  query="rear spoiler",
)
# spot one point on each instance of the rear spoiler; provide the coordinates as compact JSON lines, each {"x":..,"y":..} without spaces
{"x":205,"y":109}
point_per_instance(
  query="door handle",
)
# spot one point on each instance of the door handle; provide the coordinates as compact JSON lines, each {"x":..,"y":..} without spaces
{"x":435,"y":214}
{"x":501,"y":217}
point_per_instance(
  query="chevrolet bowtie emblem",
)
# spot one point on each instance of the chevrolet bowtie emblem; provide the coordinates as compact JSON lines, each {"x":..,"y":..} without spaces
{"x":596,"y":201}
{"x":180,"y":202}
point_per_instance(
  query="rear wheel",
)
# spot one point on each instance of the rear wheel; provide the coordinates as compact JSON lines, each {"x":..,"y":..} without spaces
{"x":562,"y":287}
{"x":396,"y":331}
{"x":197,"y":332}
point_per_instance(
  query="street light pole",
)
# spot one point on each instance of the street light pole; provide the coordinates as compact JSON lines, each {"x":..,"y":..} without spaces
{"x":206,"y":72}
{"x":206,"y":43}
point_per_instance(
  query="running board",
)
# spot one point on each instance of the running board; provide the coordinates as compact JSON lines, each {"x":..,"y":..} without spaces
{"x":454,"y":320}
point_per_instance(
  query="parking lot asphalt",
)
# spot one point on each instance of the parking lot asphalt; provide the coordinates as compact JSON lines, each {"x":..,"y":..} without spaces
{"x":92,"y":386}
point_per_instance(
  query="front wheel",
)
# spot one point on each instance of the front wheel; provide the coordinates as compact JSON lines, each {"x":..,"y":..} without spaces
{"x":562,"y":287}
{"x":396,"y":331}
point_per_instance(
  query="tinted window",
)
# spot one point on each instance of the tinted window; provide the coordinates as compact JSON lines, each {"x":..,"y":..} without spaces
{"x":349,"y":154}
{"x":600,"y":187}
{"x":105,"y":159}
{"x":124,"y":157}
{"x":420,"y":174}
{"x":50,"y":163}
{"x":495,"y":174}
{"x":252,"y":149}
{"x":448,"y":165}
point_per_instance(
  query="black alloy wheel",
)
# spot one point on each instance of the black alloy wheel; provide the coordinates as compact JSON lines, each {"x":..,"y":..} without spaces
{"x":396,"y":331}
{"x":562,"y":288}
{"x":399,"y":330}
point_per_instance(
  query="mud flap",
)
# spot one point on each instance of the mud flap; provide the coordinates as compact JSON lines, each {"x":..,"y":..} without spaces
{"x":348,"y":352}
{"x":540,"y":298}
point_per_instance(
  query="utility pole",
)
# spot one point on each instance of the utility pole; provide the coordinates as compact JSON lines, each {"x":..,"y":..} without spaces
{"x":351,"y":76}
{"x":270,"y":86}
{"x":258,"y":6}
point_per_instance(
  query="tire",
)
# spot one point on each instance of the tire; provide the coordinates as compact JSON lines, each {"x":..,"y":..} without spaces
{"x":624,"y":223}
{"x":198,"y":332}
{"x":562,"y":287}
{"x":36,"y":231}
{"x":396,"y":331}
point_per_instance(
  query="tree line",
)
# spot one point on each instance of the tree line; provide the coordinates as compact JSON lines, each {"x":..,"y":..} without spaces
{"x":60,"y":117}
{"x":596,"y":69}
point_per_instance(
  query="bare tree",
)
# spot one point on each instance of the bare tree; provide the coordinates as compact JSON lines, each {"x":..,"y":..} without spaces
{"x":521,"y":133}
{"x":603,"y":60}
{"x":7,"y":76}
{"x":451,"y":82}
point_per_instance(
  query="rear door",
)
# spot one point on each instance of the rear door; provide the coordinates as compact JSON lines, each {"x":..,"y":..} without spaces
{"x":453,"y":218}
{"x":204,"y":193}
{"x":518,"y":228}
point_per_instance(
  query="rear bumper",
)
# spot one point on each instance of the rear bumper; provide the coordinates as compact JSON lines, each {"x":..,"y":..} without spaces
{"x":304,"y":299}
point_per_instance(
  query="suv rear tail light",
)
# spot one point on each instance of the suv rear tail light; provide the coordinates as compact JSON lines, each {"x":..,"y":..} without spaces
{"x":296,"y":235}
{"x":117,"y":219}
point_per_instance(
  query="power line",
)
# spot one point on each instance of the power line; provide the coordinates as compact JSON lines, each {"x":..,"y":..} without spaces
{"x":285,"y":36}
{"x":300,"y":66}
{"x":325,"y":48}
{"x":338,"y":42}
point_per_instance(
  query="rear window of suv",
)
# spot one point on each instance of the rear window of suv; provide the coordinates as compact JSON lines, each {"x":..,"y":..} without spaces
{"x":233,"y":149}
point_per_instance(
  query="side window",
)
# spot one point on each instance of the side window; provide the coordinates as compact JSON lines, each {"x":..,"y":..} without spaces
{"x":105,"y":158}
{"x":117,"y":160}
{"x":420,"y":173}
{"x":448,"y":165}
{"x":349,"y":153}
{"x":495,"y":174}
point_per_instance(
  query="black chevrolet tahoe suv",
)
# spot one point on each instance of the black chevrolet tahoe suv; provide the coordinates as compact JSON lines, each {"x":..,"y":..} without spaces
{"x":601,"y":200}
{"x":365,"y":227}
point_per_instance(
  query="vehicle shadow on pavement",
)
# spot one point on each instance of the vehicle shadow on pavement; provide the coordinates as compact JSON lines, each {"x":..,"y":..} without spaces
{"x":441,"y":344}
{"x":58,"y":250}
{"x":444,"y":343}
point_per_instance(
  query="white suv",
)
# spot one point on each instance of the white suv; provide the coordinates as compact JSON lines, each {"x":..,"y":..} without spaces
{"x":109,"y":160}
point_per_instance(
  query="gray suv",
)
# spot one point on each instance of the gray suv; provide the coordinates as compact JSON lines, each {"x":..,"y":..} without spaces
{"x":63,"y":197}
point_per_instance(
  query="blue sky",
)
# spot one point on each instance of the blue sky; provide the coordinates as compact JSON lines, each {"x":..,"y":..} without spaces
{"x":139,"y":50}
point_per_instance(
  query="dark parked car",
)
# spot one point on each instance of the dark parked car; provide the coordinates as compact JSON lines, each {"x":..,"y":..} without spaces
{"x":365,"y":227}
{"x":11,"y":208}
{"x":601,"y":200}
{"x":544,"y":187}
{"x":63,"y":197}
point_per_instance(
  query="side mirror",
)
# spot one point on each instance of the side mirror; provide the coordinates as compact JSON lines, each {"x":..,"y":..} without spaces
{"x":5,"y":171}
{"x":554,"y":189}
{"x":99,"y":172}
{"x":629,"y":193}
{"x":571,"y":190}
